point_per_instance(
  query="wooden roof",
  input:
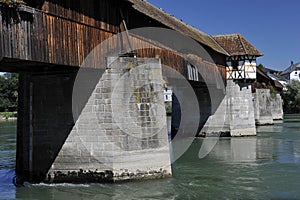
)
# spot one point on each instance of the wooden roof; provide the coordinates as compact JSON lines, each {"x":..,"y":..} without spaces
{"x":236,"y":45}
{"x":263,"y":77}
{"x":278,"y":85}
{"x":175,"y":24}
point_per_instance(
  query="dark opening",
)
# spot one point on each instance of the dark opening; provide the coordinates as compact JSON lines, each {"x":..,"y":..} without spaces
{"x":34,"y":3}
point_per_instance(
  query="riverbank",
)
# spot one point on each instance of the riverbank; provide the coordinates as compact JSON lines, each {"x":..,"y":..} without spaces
{"x":8,"y":116}
{"x":7,"y":119}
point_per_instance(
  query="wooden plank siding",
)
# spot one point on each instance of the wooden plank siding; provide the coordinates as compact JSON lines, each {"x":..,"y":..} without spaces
{"x":46,"y":38}
{"x":101,"y":14}
{"x":176,"y":60}
{"x":64,"y":33}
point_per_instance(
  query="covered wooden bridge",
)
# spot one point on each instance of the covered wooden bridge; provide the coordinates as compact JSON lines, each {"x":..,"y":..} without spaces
{"x":47,"y":42}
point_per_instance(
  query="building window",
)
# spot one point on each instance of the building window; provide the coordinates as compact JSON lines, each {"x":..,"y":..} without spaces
{"x":168,"y":95}
{"x":192,"y":72}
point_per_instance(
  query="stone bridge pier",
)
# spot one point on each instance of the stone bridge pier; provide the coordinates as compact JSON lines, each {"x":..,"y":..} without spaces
{"x":116,"y":131}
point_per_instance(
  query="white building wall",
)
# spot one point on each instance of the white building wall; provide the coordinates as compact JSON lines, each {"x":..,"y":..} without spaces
{"x":295,"y":75}
{"x":245,"y":70}
{"x":168,"y":95}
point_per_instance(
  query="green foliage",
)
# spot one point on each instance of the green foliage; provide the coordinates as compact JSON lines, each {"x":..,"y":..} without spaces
{"x":169,"y":108}
{"x":9,"y":92}
{"x":291,"y":98}
{"x":273,"y":91}
{"x":260,"y":66}
{"x":12,"y":3}
{"x":7,"y":115}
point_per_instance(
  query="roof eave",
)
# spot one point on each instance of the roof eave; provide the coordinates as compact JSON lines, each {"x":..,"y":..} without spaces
{"x":188,"y":30}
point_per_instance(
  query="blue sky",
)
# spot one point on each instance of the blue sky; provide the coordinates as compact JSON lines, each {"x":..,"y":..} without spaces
{"x":272,"y":26}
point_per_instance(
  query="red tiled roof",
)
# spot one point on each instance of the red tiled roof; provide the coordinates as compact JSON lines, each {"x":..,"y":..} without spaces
{"x":236,"y":45}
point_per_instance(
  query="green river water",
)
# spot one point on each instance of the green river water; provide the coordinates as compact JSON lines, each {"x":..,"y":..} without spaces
{"x":262,"y":167}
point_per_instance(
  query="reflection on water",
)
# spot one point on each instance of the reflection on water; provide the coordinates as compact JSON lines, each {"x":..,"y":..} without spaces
{"x":262,"y":167}
{"x":236,"y":150}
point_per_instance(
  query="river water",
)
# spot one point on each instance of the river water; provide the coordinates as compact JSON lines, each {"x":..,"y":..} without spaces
{"x":262,"y":167}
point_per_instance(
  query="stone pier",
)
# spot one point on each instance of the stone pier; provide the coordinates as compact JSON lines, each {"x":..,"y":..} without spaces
{"x":241,"y":110}
{"x":267,"y":109}
{"x":116,"y":133}
{"x":235,"y":115}
{"x":277,"y":109}
{"x":263,"y":107}
{"x":121,"y":134}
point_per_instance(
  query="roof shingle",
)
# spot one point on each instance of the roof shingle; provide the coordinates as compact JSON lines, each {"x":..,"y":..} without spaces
{"x":236,"y":45}
{"x":176,"y":24}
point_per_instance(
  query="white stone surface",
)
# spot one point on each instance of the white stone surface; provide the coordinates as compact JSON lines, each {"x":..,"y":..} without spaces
{"x":117,"y":131}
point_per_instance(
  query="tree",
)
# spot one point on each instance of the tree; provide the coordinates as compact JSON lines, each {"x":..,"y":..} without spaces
{"x":12,"y":3}
{"x":9,"y":92}
{"x":291,"y":98}
{"x":260,"y":66}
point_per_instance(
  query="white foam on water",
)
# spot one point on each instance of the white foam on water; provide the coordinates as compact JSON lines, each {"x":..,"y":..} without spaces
{"x":60,"y":185}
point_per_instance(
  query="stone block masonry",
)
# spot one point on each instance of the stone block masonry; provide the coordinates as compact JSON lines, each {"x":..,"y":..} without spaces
{"x":277,"y":109}
{"x":263,"y":107}
{"x":238,"y":114}
{"x":121,"y":133}
{"x":241,"y":109}
{"x":235,"y":115}
{"x":267,"y":109}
